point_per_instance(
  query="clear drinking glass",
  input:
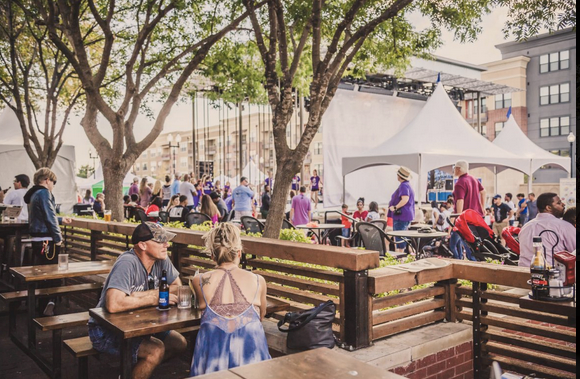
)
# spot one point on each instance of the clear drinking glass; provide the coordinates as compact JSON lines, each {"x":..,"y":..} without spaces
{"x":63,"y":261}
{"x":184,"y":297}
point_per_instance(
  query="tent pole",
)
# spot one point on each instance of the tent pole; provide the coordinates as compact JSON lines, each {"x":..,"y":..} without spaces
{"x":530,"y":178}
{"x":420,"y":189}
{"x":495,"y":179}
{"x":479,"y":112}
{"x":343,"y":189}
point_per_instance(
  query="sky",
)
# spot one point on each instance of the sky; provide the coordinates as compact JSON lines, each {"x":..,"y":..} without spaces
{"x":479,"y":52}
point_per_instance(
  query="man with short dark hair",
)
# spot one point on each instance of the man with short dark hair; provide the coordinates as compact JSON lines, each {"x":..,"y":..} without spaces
{"x":508,"y":199}
{"x":501,"y":214}
{"x":242,"y":198}
{"x":551,"y":210}
{"x":134,"y":283}
{"x":468,"y":193}
{"x":300,"y":211}
{"x":16,"y":196}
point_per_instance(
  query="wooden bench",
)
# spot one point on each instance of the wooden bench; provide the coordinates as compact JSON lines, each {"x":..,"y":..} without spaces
{"x":81,"y":348}
{"x":14,"y":298}
{"x":56,"y":324}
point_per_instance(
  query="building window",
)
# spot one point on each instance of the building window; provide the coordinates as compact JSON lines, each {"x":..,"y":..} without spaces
{"x":554,"y":94}
{"x":183,"y":161}
{"x":555,"y":126}
{"x":503,"y":101}
{"x":144,"y":166}
{"x":483,"y":106}
{"x":137,"y":167}
{"x":555,"y":61}
{"x":318,"y":148}
{"x":498,"y":128}
{"x":183,"y":148}
{"x":152,"y":153}
{"x":153,"y":166}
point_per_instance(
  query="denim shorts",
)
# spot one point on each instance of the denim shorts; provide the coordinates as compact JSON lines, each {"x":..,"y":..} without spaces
{"x":400,"y":225}
{"x":346,"y":232}
{"x":109,"y":343}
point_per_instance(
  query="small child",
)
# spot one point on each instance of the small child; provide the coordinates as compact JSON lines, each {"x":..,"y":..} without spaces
{"x":347,"y":225}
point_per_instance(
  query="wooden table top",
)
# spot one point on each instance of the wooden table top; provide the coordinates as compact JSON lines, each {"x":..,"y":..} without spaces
{"x":313,"y":364}
{"x":75,"y":269}
{"x":321,"y":226}
{"x":13,"y":225}
{"x":562,"y":308}
{"x":415,"y":234}
{"x":145,"y":321}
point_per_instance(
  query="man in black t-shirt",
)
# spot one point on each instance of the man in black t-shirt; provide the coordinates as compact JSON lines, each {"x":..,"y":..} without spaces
{"x":501,"y":213}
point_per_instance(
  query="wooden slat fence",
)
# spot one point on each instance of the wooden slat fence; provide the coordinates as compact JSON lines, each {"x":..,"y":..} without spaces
{"x":525,"y":341}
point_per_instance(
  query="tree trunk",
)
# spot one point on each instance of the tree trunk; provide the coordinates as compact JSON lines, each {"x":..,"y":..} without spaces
{"x":114,"y":191}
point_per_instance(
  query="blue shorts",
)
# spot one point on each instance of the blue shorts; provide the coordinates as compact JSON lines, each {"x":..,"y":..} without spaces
{"x":346,"y":232}
{"x":400,"y":225}
{"x":109,"y":343}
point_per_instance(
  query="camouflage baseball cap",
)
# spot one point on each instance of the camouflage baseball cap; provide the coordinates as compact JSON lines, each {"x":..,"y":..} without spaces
{"x":151,"y":231}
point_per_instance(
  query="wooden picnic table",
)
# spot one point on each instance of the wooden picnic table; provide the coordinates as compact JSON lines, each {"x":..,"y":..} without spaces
{"x":319,"y":229}
{"x":415,"y":236}
{"x":320,"y":363}
{"x":34,"y":274}
{"x":16,"y":229}
{"x":147,"y":321}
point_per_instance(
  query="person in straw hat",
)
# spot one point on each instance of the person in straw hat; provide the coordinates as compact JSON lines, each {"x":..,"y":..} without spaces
{"x":402,"y":205}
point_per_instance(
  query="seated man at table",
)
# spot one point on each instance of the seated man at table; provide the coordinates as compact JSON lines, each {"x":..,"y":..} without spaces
{"x":134,"y":283}
{"x":551,"y":210}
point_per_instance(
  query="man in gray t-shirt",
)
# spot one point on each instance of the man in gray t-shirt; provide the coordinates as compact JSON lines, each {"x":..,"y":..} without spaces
{"x":134,"y":283}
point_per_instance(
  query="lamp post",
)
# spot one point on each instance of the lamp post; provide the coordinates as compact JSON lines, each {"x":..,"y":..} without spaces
{"x":571,"y":139}
{"x":171,"y":146}
{"x":97,"y":157}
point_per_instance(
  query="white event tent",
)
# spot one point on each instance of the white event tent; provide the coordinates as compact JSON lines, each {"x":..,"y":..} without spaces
{"x":252,"y":172}
{"x":436,"y":138}
{"x":512,"y":138}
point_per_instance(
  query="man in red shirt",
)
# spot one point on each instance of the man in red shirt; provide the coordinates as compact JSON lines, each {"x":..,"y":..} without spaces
{"x":468,"y":192}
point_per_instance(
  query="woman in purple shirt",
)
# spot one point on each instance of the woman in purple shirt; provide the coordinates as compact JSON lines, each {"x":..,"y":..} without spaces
{"x":402,"y":206}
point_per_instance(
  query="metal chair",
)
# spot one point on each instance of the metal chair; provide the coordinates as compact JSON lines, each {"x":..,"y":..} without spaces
{"x":164,"y":216}
{"x":373,"y":238}
{"x":196,"y":218}
{"x":381,"y":224}
{"x":140,"y":215}
{"x":252,"y":224}
{"x":287,"y":224}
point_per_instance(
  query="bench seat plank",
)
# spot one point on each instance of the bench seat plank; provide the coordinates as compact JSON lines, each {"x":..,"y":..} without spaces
{"x":62,"y":321}
{"x":80,"y":347}
{"x":43,"y":292}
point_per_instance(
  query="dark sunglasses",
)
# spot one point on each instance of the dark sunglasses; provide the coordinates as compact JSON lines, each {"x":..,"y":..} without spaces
{"x":150,"y":282}
{"x":53,"y":181}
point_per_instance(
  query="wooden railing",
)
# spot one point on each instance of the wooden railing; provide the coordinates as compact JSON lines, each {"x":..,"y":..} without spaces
{"x":409,"y":308}
{"x":304,"y":275}
{"x":374,"y":303}
{"x":525,"y":341}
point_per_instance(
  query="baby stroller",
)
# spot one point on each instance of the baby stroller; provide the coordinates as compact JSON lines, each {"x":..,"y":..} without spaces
{"x":510,"y":235}
{"x":480,"y":239}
